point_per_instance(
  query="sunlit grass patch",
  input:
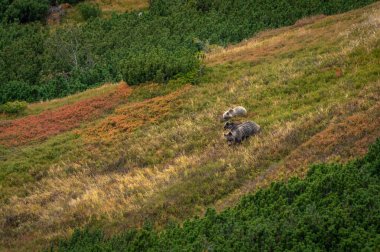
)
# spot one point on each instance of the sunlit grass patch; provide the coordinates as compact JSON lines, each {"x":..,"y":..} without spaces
{"x":121,"y":6}
{"x":21,"y":166}
{"x":344,"y":132}
{"x":317,"y":33}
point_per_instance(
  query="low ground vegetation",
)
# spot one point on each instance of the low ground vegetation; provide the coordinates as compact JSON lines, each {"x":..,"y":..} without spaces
{"x":336,"y":207}
{"x":49,"y":123}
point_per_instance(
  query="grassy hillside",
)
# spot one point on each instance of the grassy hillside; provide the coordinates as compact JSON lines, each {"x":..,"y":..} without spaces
{"x":157,"y":153}
{"x":335,"y":208}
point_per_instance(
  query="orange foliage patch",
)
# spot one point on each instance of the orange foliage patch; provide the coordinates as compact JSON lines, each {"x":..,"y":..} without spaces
{"x":39,"y":127}
{"x":134,"y":115}
{"x":338,"y":72}
{"x":340,"y":141}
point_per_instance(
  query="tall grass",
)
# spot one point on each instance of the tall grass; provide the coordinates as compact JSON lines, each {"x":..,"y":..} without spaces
{"x":336,"y":207}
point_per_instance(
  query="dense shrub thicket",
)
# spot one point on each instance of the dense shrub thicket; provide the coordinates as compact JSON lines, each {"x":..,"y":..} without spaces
{"x":155,"y":45}
{"x":335,"y":208}
{"x":23,"y":11}
{"x":89,"y":10}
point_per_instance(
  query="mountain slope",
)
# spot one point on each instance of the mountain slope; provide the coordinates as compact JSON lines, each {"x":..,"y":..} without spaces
{"x":159,"y":155}
{"x":334,"y":208}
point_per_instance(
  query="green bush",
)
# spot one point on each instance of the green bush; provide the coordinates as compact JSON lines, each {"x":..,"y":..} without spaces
{"x":16,"y":90}
{"x":25,"y":11}
{"x":88,"y":10}
{"x":4,"y":4}
{"x":16,"y":107}
{"x":335,"y":208}
{"x":67,"y":1}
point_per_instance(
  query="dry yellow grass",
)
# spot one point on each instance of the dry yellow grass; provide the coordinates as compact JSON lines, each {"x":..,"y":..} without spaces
{"x":346,"y":137}
{"x":58,"y":204}
{"x":288,"y":40}
{"x":121,"y":5}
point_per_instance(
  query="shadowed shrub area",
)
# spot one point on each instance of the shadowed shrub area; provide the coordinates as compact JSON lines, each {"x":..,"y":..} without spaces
{"x":88,"y":10}
{"x":158,"y":45}
{"x":335,"y":208}
{"x":23,"y":11}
